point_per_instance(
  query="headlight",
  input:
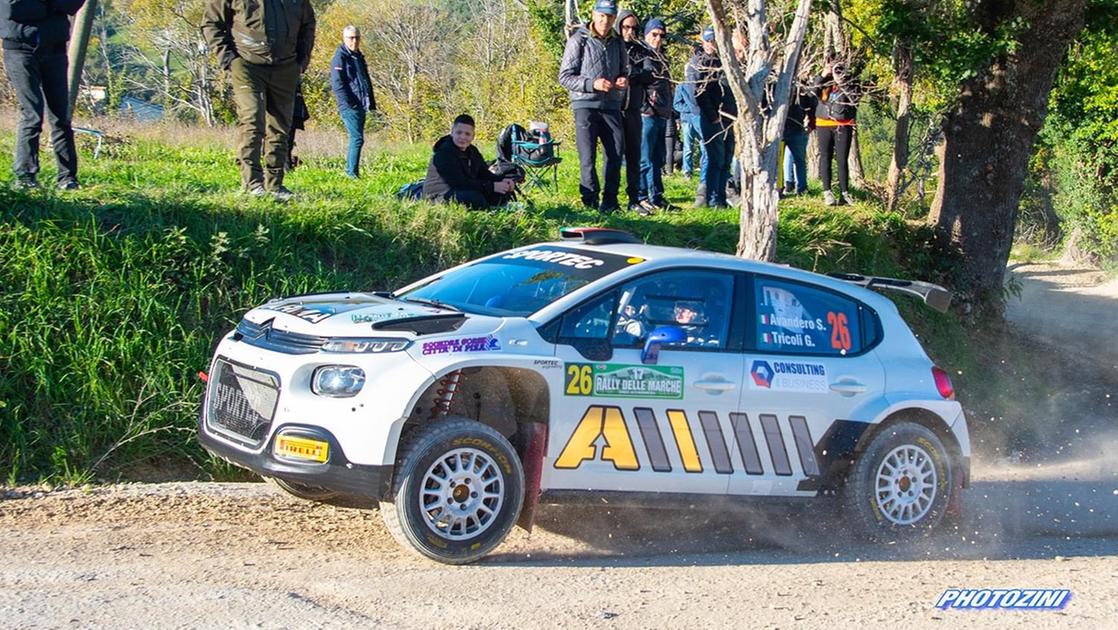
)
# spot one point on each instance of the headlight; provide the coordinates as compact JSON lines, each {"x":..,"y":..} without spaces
{"x":337,"y":381}
{"x":365,"y":345}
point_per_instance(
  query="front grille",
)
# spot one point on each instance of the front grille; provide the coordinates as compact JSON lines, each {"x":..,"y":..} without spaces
{"x":264,"y":336}
{"x":242,"y":402}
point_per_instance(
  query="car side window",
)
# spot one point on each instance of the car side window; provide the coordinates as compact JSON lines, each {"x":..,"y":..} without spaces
{"x":697,"y":302}
{"x":590,"y":320}
{"x":801,"y":319}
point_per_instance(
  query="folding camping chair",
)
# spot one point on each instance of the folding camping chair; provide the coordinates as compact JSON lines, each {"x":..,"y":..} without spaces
{"x":536,"y":153}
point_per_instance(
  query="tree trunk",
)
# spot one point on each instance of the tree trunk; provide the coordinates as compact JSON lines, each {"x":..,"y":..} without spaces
{"x":166,"y":70}
{"x":902,"y":70}
{"x":79,"y":43}
{"x":989,"y":139}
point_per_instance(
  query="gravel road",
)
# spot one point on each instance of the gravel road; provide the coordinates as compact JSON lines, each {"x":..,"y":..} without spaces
{"x":196,"y":555}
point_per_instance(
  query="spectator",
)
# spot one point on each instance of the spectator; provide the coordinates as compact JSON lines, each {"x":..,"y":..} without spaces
{"x":35,"y":33}
{"x":835,"y":115}
{"x":271,"y":47}
{"x":685,"y":106}
{"x":299,"y":116}
{"x":656,"y":111}
{"x":595,"y":72}
{"x":349,"y":78}
{"x":704,"y":72}
{"x":629,"y":26}
{"x":457,"y":171}
{"x":799,"y":123}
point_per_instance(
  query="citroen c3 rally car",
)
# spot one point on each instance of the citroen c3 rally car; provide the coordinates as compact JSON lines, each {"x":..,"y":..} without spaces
{"x":595,"y":366}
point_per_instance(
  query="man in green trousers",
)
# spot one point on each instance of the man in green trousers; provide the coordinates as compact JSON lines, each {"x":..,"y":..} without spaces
{"x":264,"y":45}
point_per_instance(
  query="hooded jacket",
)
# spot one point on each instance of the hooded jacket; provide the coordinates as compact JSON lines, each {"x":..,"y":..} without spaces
{"x":349,"y":78}
{"x":453,"y":169}
{"x":39,"y":25}
{"x":587,"y":58}
{"x":262,"y":32}
{"x":704,"y":72}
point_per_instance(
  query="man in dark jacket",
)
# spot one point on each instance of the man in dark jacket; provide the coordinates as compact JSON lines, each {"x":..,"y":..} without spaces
{"x":264,"y":45}
{"x":704,"y":71}
{"x":628,"y":26}
{"x":457,"y":171}
{"x":349,"y":77}
{"x":656,"y":111}
{"x":595,"y":71}
{"x":35,"y":33}
{"x":799,"y":123}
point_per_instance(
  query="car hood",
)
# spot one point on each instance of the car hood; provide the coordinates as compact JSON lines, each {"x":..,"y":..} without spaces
{"x":361,"y":315}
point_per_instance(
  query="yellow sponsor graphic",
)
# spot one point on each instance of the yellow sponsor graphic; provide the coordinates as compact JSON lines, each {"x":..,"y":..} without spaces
{"x":681,"y":429}
{"x":302,"y":448}
{"x":606,"y":422}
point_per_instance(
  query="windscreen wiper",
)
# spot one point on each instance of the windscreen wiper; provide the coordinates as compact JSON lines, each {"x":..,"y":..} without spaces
{"x":431,"y":302}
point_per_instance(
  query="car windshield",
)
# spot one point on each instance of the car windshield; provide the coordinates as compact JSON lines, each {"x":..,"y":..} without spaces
{"x":519,"y":283}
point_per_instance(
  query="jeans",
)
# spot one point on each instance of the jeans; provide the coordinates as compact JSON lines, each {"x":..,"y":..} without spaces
{"x":592,"y":125}
{"x":354,"y":120}
{"x":690,"y":134}
{"x":40,"y":79}
{"x":795,"y":160}
{"x":718,"y":142}
{"x":652,"y":159}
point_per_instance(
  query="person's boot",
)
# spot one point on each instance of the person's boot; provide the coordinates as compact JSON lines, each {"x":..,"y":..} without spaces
{"x":281,"y":193}
{"x":789,"y":189}
{"x":829,"y":198}
{"x":701,"y":196}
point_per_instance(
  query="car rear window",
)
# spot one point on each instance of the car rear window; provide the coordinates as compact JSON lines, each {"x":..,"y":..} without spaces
{"x":802,"y":319}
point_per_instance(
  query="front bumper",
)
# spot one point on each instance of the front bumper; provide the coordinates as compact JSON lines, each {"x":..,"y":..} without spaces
{"x":355,"y":481}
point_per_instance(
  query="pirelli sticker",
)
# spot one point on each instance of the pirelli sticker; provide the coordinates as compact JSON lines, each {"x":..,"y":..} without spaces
{"x":616,"y":380}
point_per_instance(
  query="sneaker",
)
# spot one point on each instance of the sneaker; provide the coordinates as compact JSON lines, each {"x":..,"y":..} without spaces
{"x":789,"y":191}
{"x":650,"y":207}
{"x":69,"y":184}
{"x":256,"y":190}
{"x":829,"y":198}
{"x":281,"y":193}
{"x":847,"y":199}
{"x":610,"y":209}
{"x":25,"y":182}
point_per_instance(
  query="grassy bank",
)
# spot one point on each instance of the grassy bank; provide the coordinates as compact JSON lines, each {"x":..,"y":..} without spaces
{"x":111,"y":298}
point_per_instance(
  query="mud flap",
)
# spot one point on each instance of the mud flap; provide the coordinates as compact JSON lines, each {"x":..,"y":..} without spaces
{"x":532,"y":460}
{"x":955,"y":501}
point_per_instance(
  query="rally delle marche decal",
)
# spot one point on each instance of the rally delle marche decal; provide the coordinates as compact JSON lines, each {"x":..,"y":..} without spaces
{"x":615,"y":380}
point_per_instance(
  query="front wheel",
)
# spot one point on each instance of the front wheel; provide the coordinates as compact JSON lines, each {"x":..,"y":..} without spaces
{"x":458,"y":490}
{"x":901,"y":485}
{"x":304,"y":491}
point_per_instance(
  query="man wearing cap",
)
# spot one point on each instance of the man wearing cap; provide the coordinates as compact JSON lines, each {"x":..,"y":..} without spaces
{"x":656,"y":111}
{"x":704,"y":71}
{"x":595,"y":72}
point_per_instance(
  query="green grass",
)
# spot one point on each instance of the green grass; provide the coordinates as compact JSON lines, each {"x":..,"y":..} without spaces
{"x":112,"y":297}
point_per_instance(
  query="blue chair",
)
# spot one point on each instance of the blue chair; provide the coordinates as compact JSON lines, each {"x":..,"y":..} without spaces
{"x":537,"y":154}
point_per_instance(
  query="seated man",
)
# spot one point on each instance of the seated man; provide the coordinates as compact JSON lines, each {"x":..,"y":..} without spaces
{"x":457,"y":171}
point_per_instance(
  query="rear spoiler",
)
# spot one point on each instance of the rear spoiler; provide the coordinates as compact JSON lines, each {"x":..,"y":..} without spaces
{"x":933,"y":295}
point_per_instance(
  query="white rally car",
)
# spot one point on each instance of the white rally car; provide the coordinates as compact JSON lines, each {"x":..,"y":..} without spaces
{"x":596,"y":366}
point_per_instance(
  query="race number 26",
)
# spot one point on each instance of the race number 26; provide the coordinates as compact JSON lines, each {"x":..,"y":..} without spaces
{"x":840,"y":330}
{"x":580,"y":379}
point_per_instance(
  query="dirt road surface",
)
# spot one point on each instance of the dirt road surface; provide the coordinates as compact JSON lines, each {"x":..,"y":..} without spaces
{"x":199,"y":555}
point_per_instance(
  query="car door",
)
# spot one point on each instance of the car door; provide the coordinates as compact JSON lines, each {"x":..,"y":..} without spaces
{"x":810,"y":370}
{"x":622,"y":424}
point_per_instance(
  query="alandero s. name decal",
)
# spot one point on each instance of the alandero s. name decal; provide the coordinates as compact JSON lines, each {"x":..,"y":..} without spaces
{"x":488,"y":343}
{"x":614,"y":380}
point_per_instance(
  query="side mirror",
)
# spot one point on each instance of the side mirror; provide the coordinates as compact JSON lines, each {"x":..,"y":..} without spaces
{"x":662,"y":335}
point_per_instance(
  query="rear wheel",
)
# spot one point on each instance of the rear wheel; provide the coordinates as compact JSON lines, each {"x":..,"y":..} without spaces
{"x":458,"y":491}
{"x":901,"y":484}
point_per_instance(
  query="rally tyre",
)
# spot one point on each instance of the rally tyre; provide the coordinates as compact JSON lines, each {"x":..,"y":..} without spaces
{"x":457,"y":492}
{"x":304,"y":491}
{"x":901,"y":485}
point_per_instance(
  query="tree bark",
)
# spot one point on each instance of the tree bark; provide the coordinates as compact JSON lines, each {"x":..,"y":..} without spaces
{"x":989,"y":139}
{"x":902,"y":72}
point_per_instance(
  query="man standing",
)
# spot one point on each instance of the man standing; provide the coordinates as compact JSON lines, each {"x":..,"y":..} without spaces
{"x":349,"y":77}
{"x":656,"y":111}
{"x":628,"y":25}
{"x":265,"y":46}
{"x":35,"y":33}
{"x":685,"y":106}
{"x":595,"y":71}
{"x":704,"y":71}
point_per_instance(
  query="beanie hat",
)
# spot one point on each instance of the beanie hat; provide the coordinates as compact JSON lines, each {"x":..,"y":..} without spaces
{"x":653,"y":24}
{"x":708,"y":34}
